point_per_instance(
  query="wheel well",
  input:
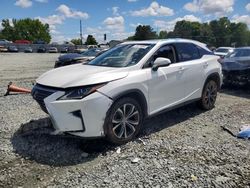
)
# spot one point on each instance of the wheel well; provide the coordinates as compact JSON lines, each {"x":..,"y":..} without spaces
{"x":215,"y":77}
{"x":138,"y":96}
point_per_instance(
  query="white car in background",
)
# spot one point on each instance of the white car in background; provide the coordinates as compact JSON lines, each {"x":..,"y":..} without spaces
{"x":4,"y":41}
{"x":53,"y":50}
{"x":111,"y":95}
{"x":223,"y":51}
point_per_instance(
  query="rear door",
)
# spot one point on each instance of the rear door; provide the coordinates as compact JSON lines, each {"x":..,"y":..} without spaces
{"x":193,"y":69}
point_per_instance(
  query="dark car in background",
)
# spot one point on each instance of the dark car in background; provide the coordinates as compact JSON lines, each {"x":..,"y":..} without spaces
{"x":39,"y":42}
{"x":80,"y":50}
{"x":28,"y":50}
{"x":236,"y":67}
{"x":64,"y":50}
{"x":12,"y":49}
{"x":41,"y":49}
{"x":75,"y":58}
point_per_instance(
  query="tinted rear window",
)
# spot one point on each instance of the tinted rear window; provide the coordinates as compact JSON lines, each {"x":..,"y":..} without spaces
{"x":203,"y":51}
{"x":187,"y":52}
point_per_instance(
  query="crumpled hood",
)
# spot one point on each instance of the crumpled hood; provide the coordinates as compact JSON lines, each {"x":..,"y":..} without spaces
{"x":236,"y":63}
{"x":80,"y":75}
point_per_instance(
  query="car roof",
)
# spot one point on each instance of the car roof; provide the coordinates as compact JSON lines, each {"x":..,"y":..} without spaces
{"x":165,"y":41}
{"x":225,"y":48}
{"x":245,"y":47}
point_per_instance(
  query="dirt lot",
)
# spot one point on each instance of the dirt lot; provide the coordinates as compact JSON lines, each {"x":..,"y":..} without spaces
{"x":182,"y":148}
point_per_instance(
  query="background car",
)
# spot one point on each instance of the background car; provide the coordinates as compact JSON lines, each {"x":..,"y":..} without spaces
{"x":236,"y":67}
{"x":75,"y":58}
{"x":64,"y":50}
{"x":53,"y":50}
{"x":12,"y":49}
{"x":22,"y":42}
{"x":28,"y":50}
{"x":39,"y":42}
{"x":223,"y":51}
{"x":92,"y":46}
{"x":41,"y":49}
{"x":4,"y":41}
{"x":80,"y":50}
{"x":3,"y":49}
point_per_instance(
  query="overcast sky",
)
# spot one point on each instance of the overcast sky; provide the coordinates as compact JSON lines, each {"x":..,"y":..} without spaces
{"x":119,"y":18}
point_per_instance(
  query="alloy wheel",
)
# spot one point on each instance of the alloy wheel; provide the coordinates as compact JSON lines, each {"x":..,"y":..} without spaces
{"x":125,"y":120}
{"x":210,"y":94}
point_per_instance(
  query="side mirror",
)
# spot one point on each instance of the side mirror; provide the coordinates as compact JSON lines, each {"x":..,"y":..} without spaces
{"x":161,"y":62}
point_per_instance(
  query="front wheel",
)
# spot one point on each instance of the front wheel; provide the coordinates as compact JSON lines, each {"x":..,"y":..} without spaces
{"x":209,"y":95}
{"x":124,"y":121}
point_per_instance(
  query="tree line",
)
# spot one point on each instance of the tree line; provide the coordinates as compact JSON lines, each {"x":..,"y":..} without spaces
{"x":216,"y":33}
{"x":25,"y":29}
{"x":221,"y":32}
{"x":89,"y":41}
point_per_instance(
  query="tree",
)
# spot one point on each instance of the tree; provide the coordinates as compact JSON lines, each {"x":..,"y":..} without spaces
{"x":217,"y":33}
{"x":131,"y":38}
{"x":28,"y":29}
{"x":221,"y":31}
{"x":206,"y":35}
{"x":163,"y":35}
{"x":1,"y":35}
{"x":76,"y":41}
{"x":239,"y":34}
{"x":91,"y":40}
{"x":187,"y":29}
{"x":248,"y":36}
{"x":144,"y":32}
{"x":171,"y":34}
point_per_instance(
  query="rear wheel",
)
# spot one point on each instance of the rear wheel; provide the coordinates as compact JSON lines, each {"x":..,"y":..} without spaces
{"x":209,"y":95}
{"x":124,"y":121}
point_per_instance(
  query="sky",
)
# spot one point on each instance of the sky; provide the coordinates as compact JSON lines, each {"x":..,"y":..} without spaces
{"x":119,"y":18}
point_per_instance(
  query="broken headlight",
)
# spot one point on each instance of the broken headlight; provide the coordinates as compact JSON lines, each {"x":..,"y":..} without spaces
{"x":81,"y":92}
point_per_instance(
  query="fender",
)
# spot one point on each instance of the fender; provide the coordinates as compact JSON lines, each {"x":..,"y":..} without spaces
{"x":136,"y":94}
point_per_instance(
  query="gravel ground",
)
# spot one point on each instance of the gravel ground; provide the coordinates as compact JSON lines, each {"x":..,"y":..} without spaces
{"x":185,"y":147}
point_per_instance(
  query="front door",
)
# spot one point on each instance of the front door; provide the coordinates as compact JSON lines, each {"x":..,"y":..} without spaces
{"x":167,"y":84}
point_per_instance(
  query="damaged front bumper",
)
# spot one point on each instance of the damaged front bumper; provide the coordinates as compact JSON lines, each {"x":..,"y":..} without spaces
{"x":240,"y":77}
{"x":84,"y":117}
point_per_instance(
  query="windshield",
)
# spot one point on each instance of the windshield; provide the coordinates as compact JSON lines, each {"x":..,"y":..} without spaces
{"x":222,"y":50}
{"x":122,"y":55}
{"x":91,"y":52}
{"x":239,"y":53}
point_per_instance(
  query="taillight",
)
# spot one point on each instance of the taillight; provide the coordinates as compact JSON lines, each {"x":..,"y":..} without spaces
{"x":220,"y":60}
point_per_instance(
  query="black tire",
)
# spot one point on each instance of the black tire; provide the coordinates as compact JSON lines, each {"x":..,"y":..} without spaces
{"x":119,"y":128}
{"x":209,"y":95}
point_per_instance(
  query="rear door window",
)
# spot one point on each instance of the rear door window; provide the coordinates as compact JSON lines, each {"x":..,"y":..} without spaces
{"x":187,"y":52}
{"x":203,"y":51}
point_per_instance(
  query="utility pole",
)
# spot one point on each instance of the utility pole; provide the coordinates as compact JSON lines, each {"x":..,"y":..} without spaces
{"x":105,"y":37}
{"x":81,"y":31}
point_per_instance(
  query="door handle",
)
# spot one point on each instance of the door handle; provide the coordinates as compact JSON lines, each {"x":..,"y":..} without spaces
{"x":205,"y":65}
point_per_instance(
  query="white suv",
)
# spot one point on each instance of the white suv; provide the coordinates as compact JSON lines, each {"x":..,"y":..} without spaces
{"x":111,"y":95}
